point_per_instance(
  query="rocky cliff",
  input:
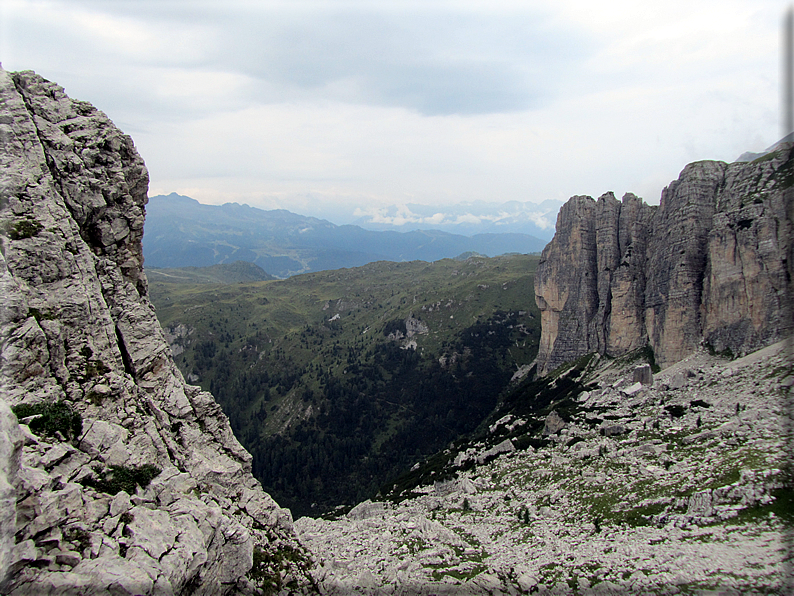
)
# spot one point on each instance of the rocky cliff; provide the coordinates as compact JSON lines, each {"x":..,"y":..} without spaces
{"x":119,"y":477}
{"x":708,"y":265}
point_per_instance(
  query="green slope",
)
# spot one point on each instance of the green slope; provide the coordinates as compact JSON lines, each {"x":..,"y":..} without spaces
{"x":223,"y":273}
{"x":339,"y":380}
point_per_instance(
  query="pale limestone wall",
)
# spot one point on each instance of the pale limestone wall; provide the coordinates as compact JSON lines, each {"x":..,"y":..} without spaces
{"x":707,"y":265}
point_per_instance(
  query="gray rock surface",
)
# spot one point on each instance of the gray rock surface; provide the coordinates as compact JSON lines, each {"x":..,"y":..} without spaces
{"x":553,"y":423}
{"x":708,"y":265}
{"x":77,"y":329}
{"x":11,"y":441}
{"x":643,"y":375}
{"x":644,"y":511}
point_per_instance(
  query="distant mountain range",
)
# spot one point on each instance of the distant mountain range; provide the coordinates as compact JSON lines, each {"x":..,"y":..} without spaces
{"x":181,"y":232}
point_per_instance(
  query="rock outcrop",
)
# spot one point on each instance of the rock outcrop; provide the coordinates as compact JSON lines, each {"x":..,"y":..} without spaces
{"x":119,"y":478}
{"x":708,"y":265}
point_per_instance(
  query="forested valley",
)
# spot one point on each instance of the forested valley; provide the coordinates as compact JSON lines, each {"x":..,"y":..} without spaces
{"x":339,"y":381}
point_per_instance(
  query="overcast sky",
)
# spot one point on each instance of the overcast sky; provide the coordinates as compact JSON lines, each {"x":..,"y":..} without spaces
{"x":323,"y":107}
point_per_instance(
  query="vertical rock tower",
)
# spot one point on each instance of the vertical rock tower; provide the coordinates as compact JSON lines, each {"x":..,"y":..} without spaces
{"x":123,"y":479}
{"x":709,"y":265}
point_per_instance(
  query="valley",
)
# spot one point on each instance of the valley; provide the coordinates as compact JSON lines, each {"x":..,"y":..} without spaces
{"x":338,"y":381}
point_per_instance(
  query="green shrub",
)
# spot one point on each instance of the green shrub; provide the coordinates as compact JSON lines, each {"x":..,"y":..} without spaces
{"x":95,"y":368}
{"x":39,"y":316}
{"x":727,"y":353}
{"x":699,"y":403}
{"x":676,"y":411}
{"x":52,"y":418}
{"x":118,"y":478}
{"x":268,"y":565}
{"x":262,"y":573}
{"x":27,"y":228}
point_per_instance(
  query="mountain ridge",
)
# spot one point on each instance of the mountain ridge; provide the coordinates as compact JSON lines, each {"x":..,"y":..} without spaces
{"x":180,"y":231}
{"x":118,"y":477}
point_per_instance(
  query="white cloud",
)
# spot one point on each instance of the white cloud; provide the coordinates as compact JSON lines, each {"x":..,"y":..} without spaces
{"x":541,"y":220}
{"x":300,"y":103}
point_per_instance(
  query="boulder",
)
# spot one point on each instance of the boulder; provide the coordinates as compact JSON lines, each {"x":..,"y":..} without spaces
{"x":367,"y":509}
{"x":632,"y":389}
{"x":643,"y":374}
{"x":700,"y":504}
{"x":553,"y":424}
{"x":613,"y":430}
{"x":505,"y":446}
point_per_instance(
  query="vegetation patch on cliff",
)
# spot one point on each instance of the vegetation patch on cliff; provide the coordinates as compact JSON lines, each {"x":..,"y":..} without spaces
{"x":51,"y":419}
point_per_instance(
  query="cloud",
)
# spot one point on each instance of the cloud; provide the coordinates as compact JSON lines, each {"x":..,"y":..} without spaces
{"x":468,"y":218}
{"x":458,"y":215}
{"x":431,"y":58}
{"x":401,"y":215}
{"x":541,"y":220}
{"x":435,"y":61}
{"x":371,"y":104}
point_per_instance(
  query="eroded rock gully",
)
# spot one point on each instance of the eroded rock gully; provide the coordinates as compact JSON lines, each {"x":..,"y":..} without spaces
{"x":78,"y":331}
{"x":710,"y":265}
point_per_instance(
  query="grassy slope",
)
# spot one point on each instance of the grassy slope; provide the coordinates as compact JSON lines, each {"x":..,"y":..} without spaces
{"x":225,"y":273}
{"x":331,"y":407}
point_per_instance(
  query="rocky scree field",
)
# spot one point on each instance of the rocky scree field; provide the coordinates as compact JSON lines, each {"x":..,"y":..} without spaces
{"x":681,"y":486}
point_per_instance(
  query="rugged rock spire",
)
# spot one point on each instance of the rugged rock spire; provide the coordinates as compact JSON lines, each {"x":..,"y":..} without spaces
{"x":708,"y":265}
{"x":81,"y":350}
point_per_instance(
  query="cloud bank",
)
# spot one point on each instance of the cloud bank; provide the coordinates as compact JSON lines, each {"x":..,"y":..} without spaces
{"x":334,"y":106}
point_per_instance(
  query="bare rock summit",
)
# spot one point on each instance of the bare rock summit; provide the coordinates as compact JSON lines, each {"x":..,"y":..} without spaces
{"x":119,"y":477}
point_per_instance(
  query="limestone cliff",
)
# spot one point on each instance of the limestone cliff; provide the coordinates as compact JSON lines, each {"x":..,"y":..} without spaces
{"x":708,"y":265}
{"x":124,"y":479}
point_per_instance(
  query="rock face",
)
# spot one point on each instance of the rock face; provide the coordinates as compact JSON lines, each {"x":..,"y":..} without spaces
{"x":707,"y":265}
{"x":80,"y":340}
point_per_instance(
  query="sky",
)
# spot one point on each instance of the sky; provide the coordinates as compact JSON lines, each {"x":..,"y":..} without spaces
{"x":337,"y":107}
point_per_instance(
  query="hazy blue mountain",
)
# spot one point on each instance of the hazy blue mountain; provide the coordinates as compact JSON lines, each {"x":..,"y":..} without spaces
{"x":182,"y":232}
